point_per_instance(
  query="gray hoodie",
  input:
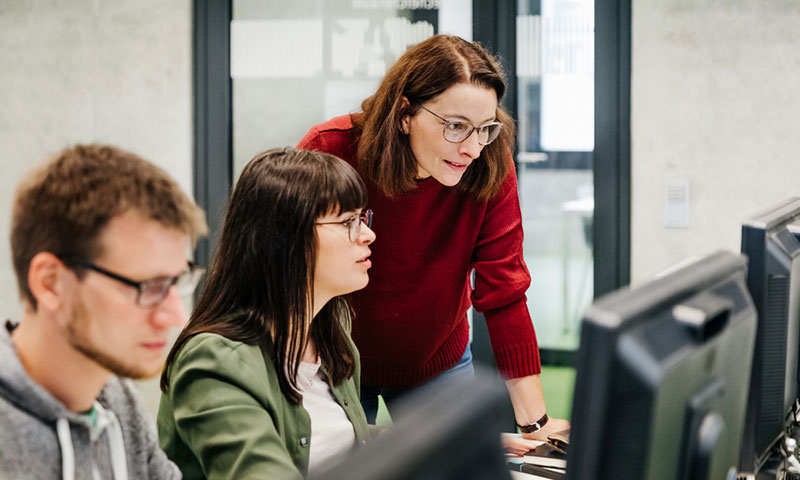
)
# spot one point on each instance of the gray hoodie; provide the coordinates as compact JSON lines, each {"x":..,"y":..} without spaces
{"x":41,"y":439}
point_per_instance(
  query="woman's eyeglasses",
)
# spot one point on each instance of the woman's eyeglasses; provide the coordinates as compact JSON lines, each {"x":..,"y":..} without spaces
{"x":456,"y":131}
{"x":353,"y":224}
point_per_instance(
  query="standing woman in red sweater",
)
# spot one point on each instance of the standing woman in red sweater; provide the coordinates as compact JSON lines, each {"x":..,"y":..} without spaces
{"x":433,"y":147}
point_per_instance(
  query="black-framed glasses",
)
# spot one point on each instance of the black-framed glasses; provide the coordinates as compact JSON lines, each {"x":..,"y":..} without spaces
{"x":153,"y":291}
{"x":353,"y":224}
{"x":456,"y":131}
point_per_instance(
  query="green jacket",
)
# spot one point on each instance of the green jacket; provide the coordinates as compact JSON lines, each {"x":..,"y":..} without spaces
{"x":224,"y":416}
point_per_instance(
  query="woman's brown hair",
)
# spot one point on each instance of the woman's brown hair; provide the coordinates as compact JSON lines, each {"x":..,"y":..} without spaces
{"x":261,"y":282}
{"x":423,"y":72}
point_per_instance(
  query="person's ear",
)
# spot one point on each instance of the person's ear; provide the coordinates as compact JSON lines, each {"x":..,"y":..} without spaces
{"x":405,"y":119}
{"x":47,"y":277}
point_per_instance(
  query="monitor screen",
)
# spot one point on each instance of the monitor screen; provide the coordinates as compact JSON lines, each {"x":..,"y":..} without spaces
{"x":662,"y":376}
{"x":770,"y":242}
{"x":451,"y":432}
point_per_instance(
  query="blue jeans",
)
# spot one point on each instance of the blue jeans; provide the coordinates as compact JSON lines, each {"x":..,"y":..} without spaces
{"x":369,"y":395}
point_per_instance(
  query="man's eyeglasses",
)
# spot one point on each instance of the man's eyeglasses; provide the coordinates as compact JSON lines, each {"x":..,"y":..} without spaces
{"x":353,"y":224}
{"x":456,"y":131}
{"x":153,"y":291}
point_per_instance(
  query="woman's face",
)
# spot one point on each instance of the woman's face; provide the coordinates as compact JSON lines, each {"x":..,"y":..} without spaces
{"x":436,"y":157}
{"x":342,"y":264}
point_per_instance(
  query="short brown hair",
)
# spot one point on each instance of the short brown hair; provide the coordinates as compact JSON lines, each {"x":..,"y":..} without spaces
{"x":423,"y":72}
{"x":63,"y":206}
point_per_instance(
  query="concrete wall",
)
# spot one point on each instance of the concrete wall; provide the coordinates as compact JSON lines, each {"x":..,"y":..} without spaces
{"x":715,"y":95}
{"x":715,"y":100}
{"x":79,"y":71}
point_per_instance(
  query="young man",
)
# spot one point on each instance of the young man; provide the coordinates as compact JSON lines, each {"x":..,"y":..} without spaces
{"x":99,"y":239}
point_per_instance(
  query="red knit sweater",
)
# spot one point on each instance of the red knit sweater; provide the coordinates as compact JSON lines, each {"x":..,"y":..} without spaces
{"x":411,"y":321}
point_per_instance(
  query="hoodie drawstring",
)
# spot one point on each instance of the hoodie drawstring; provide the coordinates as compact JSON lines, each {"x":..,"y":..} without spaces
{"x":67,"y":453}
{"x":116,"y":445}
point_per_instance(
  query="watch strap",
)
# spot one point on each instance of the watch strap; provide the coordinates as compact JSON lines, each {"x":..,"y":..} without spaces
{"x":535,"y":426}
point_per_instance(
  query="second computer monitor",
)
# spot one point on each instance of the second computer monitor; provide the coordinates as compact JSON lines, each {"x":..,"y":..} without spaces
{"x":770,"y":242}
{"x":662,"y":377}
{"x":447,"y":432}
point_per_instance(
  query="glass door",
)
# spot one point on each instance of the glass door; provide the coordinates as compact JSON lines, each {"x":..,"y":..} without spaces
{"x":297,"y":64}
{"x":555,"y":113}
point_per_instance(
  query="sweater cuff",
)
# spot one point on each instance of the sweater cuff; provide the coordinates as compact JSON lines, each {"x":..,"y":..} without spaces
{"x":520,"y":360}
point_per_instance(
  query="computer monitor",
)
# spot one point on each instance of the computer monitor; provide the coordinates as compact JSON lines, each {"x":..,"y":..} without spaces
{"x":662,"y":376}
{"x":773,"y":278}
{"x":448,"y":433}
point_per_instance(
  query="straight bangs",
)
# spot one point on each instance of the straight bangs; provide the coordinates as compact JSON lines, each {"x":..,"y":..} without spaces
{"x":342,"y":189}
{"x":260,"y":283}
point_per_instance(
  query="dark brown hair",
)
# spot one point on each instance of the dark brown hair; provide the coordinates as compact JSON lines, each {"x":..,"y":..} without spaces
{"x":63,"y":206}
{"x":423,"y":72}
{"x":261,"y":281}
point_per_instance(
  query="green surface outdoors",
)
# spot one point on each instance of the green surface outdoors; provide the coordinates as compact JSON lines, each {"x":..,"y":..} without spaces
{"x":558,"y":384}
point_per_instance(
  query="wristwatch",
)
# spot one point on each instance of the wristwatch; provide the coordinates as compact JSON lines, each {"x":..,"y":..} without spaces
{"x":535,"y":426}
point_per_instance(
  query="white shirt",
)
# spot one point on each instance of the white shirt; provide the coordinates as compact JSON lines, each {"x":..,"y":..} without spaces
{"x":332,"y":433}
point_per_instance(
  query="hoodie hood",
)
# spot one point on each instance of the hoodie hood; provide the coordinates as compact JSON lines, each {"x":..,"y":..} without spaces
{"x":40,"y":438}
{"x":27,"y":396}
{"x":18,"y":388}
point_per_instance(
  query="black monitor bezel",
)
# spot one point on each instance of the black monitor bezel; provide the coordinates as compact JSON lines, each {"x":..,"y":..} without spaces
{"x":760,"y":242}
{"x":438,"y":432}
{"x":607,"y":321}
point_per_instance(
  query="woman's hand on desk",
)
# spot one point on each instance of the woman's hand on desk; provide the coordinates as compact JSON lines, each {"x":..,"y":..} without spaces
{"x":528,"y":401}
{"x":553,"y":425}
{"x":516,"y":445}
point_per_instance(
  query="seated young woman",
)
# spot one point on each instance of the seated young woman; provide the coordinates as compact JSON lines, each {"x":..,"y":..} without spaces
{"x":263,"y":382}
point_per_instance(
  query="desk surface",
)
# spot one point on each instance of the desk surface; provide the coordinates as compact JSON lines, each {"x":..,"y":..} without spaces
{"x":515,"y":475}
{"x":525,"y":476}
